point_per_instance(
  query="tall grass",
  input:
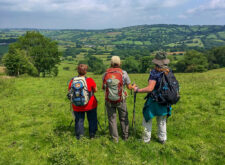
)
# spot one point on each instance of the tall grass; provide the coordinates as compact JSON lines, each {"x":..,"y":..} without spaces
{"x":35,"y":117}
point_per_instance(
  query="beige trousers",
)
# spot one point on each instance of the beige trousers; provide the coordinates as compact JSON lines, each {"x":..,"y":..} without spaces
{"x":123,"y":118}
{"x":161,"y":123}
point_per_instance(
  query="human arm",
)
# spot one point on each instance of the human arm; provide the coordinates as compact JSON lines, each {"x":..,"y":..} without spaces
{"x":127,"y":81}
{"x":129,"y":86}
{"x":149,"y":88}
{"x":103,"y":77}
{"x":95,"y":89}
{"x":70,"y":83}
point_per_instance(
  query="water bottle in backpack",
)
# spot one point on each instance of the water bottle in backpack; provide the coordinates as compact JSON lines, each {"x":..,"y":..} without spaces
{"x":79,"y":91}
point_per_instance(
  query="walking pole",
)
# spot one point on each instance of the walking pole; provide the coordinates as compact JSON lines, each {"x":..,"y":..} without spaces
{"x":105,"y":116}
{"x":71,"y":110}
{"x":99,"y":125}
{"x":133,"y":120}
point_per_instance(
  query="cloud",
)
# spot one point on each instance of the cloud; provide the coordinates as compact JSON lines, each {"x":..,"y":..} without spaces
{"x":215,"y":7}
{"x":107,"y":13}
{"x":85,"y":5}
{"x":182,"y":16}
{"x":173,"y":3}
{"x":137,"y":9}
{"x":48,"y":5}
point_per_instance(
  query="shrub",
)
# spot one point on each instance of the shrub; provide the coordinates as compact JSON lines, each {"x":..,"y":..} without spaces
{"x":131,"y":65}
{"x":193,"y":61}
{"x":17,"y":63}
{"x":66,"y":68}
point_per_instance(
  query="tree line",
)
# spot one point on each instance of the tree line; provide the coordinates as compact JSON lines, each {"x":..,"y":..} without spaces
{"x":191,"y":61}
{"x":37,"y":55}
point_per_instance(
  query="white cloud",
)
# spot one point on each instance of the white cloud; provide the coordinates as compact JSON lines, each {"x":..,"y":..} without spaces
{"x":172,"y":3}
{"x":182,"y":16}
{"x":108,"y":13}
{"x":80,"y":5}
{"x":217,"y":7}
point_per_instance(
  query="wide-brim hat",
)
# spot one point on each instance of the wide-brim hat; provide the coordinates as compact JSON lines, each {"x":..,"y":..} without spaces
{"x":160,"y":59}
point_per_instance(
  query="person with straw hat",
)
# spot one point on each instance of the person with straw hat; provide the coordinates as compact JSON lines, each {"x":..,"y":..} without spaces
{"x":114,"y":81}
{"x":153,"y":108}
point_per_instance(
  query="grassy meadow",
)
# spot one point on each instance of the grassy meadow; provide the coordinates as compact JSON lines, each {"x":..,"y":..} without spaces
{"x":35,"y":118}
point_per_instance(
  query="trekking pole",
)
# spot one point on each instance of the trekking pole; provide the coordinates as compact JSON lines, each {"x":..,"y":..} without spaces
{"x":71,"y":110}
{"x":105,"y":116}
{"x":133,"y":120}
{"x":99,"y":125}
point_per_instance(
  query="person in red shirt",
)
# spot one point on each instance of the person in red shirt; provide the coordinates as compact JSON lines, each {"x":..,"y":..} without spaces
{"x":90,"y":108}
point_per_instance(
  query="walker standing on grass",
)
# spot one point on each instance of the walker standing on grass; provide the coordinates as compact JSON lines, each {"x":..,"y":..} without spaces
{"x":114,"y":81}
{"x":152,"y":106}
{"x":81,"y":93}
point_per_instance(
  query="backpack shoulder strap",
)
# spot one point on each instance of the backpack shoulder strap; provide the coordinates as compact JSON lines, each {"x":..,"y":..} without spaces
{"x":114,"y":70}
{"x":162,"y":79}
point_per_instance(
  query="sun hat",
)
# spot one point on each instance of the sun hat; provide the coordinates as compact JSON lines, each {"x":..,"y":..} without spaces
{"x":160,"y":59}
{"x":115,"y":60}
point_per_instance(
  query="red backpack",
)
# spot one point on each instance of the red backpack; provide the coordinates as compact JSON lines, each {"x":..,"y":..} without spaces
{"x":113,"y":85}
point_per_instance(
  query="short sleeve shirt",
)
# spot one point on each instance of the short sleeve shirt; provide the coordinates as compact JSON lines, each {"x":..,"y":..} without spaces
{"x":157,"y":76}
{"x":92,"y":104}
{"x":126,"y":78}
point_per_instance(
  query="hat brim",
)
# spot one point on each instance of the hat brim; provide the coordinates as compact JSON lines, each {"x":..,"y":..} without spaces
{"x":161,"y":62}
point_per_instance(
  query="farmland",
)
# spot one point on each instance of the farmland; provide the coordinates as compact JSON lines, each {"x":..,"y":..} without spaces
{"x":35,"y":117}
{"x":150,"y":37}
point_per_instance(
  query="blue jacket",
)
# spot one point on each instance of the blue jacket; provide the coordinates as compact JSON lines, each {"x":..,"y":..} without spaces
{"x":151,"y":107}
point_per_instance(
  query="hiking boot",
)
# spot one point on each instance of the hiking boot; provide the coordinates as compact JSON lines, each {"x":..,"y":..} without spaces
{"x":125,"y":138}
{"x":92,"y":136}
{"x":115,"y":140}
{"x":162,"y":141}
{"x":146,"y":141}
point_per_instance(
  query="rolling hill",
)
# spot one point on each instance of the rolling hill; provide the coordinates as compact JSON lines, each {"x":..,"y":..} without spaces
{"x":152,"y":37}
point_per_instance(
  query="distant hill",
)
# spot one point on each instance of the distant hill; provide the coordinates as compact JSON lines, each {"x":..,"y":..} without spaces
{"x":153,"y":37}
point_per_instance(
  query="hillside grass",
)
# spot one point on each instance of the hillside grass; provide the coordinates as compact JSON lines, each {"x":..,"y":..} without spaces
{"x":35,"y":117}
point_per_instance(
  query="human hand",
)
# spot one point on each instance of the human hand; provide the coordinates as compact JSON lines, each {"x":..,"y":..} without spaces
{"x":133,"y":86}
{"x":68,"y":96}
{"x":136,"y":89}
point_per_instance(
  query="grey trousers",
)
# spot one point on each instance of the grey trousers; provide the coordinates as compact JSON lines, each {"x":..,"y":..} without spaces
{"x":123,"y":117}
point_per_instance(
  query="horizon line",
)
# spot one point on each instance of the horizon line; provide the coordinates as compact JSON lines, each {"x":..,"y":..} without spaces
{"x":24,"y":28}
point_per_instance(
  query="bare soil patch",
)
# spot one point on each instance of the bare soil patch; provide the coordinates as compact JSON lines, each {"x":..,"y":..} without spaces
{"x":2,"y":69}
{"x":6,"y":77}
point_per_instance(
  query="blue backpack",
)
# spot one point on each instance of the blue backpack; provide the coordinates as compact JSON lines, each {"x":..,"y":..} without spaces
{"x":79,"y":94}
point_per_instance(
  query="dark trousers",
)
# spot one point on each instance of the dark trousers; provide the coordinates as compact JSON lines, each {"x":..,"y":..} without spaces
{"x":92,"y":121}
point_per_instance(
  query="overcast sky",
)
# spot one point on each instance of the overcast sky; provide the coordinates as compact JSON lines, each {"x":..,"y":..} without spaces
{"x":101,"y":14}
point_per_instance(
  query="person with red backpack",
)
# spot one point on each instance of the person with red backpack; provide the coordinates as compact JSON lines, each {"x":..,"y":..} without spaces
{"x":114,"y":81}
{"x":81,"y":93}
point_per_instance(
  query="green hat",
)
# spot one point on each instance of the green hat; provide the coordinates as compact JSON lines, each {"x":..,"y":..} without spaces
{"x":160,"y":59}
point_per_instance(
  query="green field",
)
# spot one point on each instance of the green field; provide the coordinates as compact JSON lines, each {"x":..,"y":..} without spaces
{"x":153,"y":37}
{"x":35,"y":117}
{"x":3,"y":50}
